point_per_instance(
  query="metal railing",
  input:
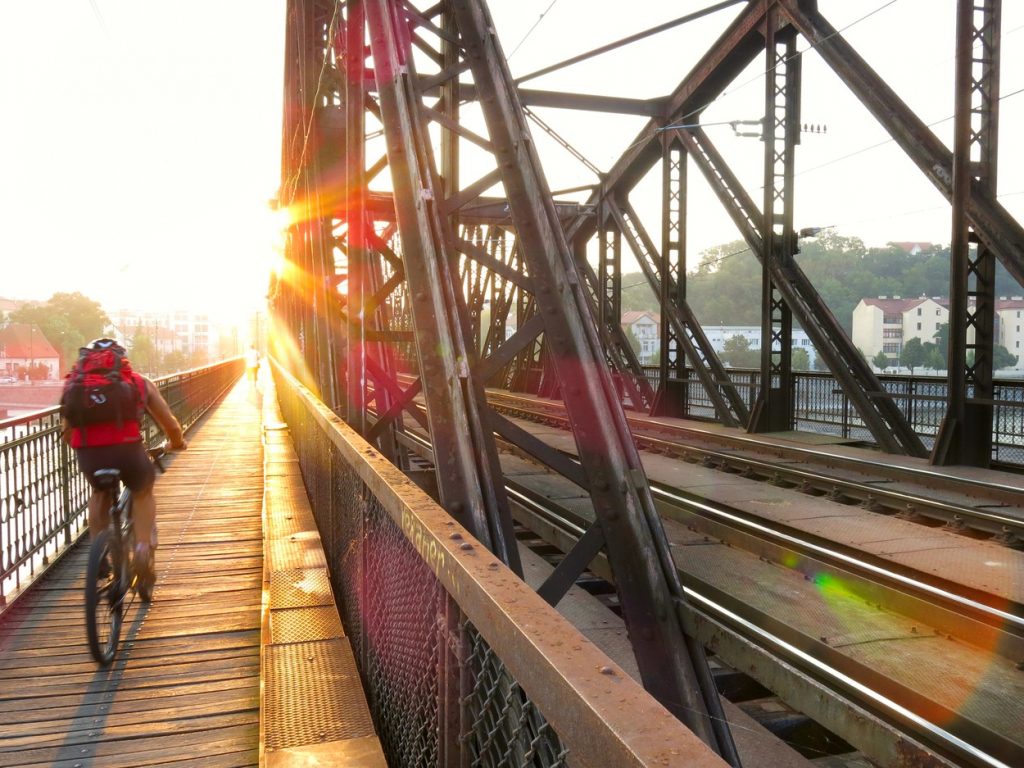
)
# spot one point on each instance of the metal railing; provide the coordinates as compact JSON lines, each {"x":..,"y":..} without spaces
{"x":462,"y":662}
{"x":821,"y":406}
{"x":42,"y":493}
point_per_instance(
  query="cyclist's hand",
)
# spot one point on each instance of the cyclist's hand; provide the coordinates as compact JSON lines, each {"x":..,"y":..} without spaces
{"x":181,"y":446}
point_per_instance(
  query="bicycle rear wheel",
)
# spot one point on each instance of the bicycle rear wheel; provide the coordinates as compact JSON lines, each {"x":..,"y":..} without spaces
{"x":104,"y":597}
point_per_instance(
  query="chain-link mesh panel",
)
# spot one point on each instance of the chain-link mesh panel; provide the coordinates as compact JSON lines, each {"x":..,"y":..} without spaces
{"x":403,"y":641}
{"x":504,"y":727}
{"x":436,"y":691}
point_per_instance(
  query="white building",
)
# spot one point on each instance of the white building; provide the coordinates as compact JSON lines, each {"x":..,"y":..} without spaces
{"x":646,"y":327}
{"x":178,"y":331}
{"x":885,"y":324}
{"x":1009,"y":322}
{"x":193,"y":331}
{"x":719,"y":334}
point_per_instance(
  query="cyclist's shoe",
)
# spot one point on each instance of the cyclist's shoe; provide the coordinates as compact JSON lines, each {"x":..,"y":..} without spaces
{"x":145,"y":571}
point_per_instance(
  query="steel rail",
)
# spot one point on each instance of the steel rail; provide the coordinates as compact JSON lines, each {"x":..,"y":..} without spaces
{"x":1007,"y":529}
{"x":848,"y":558}
{"x":599,"y":713}
{"x":824,"y":671}
{"x":939,"y":605}
{"x":809,"y":655}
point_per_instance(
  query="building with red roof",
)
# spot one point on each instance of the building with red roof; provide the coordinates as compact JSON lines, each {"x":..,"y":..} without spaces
{"x":886,"y":323}
{"x":23,"y":345}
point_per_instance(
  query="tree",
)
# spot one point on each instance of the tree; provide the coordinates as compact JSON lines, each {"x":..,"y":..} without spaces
{"x":942,"y":338}
{"x":67,"y":320}
{"x":936,"y":360}
{"x":1003,"y":358}
{"x":174,"y":362}
{"x":821,"y":365}
{"x":737,"y":352}
{"x":801,"y":360}
{"x":914,"y":354}
{"x":143,"y":353}
{"x":881,"y":361}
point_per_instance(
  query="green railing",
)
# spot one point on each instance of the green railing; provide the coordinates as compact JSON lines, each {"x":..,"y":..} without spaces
{"x":42,"y":493}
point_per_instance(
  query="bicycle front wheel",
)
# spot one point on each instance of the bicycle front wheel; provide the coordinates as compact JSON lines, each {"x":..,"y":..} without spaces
{"x":104,"y":597}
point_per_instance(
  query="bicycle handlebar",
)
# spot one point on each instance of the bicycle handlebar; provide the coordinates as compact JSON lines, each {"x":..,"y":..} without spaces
{"x":158,"y":453}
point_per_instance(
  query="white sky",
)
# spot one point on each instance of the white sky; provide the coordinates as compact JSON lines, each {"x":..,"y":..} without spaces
{"x":141,"y":139}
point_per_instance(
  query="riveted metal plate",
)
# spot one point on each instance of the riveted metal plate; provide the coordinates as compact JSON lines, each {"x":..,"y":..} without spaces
{"x":300,"y":588}
{"x":323,"y":672}
{"x":296,"y":551}
{"x":285,"y":520}
{"x":294,"y":625}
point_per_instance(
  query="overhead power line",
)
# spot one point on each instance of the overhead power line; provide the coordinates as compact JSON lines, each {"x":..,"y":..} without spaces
{"x":530,"y":30}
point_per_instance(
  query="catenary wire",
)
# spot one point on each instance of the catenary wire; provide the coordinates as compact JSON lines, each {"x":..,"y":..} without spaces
{"x":530,"y":30}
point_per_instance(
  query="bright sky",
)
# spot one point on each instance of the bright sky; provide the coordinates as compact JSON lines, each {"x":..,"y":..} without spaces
{"x":141,"y":139}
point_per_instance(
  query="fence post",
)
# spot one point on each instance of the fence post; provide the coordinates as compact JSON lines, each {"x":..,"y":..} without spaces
{"x":65,"y":484}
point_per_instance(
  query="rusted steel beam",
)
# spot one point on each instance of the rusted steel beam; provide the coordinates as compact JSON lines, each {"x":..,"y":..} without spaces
{"x":467,"y":466}
{"x":671,"y":666}
{"x":597,"y":710}
{"x":992,"y":223}
{"x":885,"y":421}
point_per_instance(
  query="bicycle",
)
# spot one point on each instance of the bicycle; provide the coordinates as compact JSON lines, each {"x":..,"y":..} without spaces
{"x":110,"y":579}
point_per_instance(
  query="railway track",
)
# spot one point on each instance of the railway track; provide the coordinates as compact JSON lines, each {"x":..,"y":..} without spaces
{"x":977,"y":508}
{"x":891,"y":717}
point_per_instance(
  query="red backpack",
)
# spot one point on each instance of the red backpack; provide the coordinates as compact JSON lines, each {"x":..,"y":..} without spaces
{"x":102,"y":391}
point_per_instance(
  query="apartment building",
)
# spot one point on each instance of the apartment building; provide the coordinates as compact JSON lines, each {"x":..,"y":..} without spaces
{"x":886,"y":323}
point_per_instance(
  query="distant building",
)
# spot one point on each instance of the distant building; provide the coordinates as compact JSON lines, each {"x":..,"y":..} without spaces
{"x":193,"y":332}
{"x":886,"y":323}
{"x":913,"y":248}
{"x":178,"y":331}
{"x":1009,"y":321}
{"x":22,"y":346}
{"x":719,"y":334}
{"x":646,"y":328}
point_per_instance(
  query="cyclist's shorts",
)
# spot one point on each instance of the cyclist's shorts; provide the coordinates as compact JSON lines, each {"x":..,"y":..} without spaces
{"x":137,"y":471}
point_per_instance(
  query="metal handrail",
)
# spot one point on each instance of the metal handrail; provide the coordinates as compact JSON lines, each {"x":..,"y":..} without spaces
{"x":412,"y":582}
{"x":43,"y":495}
{"x":822,"y":406}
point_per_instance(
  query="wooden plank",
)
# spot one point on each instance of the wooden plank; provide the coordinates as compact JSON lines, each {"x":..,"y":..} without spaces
{"x":184,"y":689}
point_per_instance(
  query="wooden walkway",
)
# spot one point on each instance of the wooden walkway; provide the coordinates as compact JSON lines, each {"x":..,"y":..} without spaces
{"x":184,"y":689}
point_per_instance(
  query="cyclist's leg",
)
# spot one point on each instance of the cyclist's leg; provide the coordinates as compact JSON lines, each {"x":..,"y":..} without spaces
{"x":99,"y":511}
{"x":144,"y":522}
{"x":144,"y":515}
{"x":138,"y":474}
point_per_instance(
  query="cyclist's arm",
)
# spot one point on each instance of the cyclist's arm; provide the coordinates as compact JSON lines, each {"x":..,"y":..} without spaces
{"x":161,"y":412}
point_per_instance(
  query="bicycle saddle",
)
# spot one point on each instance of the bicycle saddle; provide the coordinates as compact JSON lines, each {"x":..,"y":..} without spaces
{"x":106,"y":478}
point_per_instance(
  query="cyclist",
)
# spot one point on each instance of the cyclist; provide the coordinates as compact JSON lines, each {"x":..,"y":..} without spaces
{"x":117,"y":444}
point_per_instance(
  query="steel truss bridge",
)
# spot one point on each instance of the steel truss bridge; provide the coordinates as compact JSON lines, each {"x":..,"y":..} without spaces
{"x":431,"y":277}
{"x":421,"y":261}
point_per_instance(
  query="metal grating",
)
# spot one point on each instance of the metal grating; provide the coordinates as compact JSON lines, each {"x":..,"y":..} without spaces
{"x":300,"y":588}
{"x":324,"y":672}
{"x":294,"y":625}
{"x":437,"y":693}
{"x":294,"y":553}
